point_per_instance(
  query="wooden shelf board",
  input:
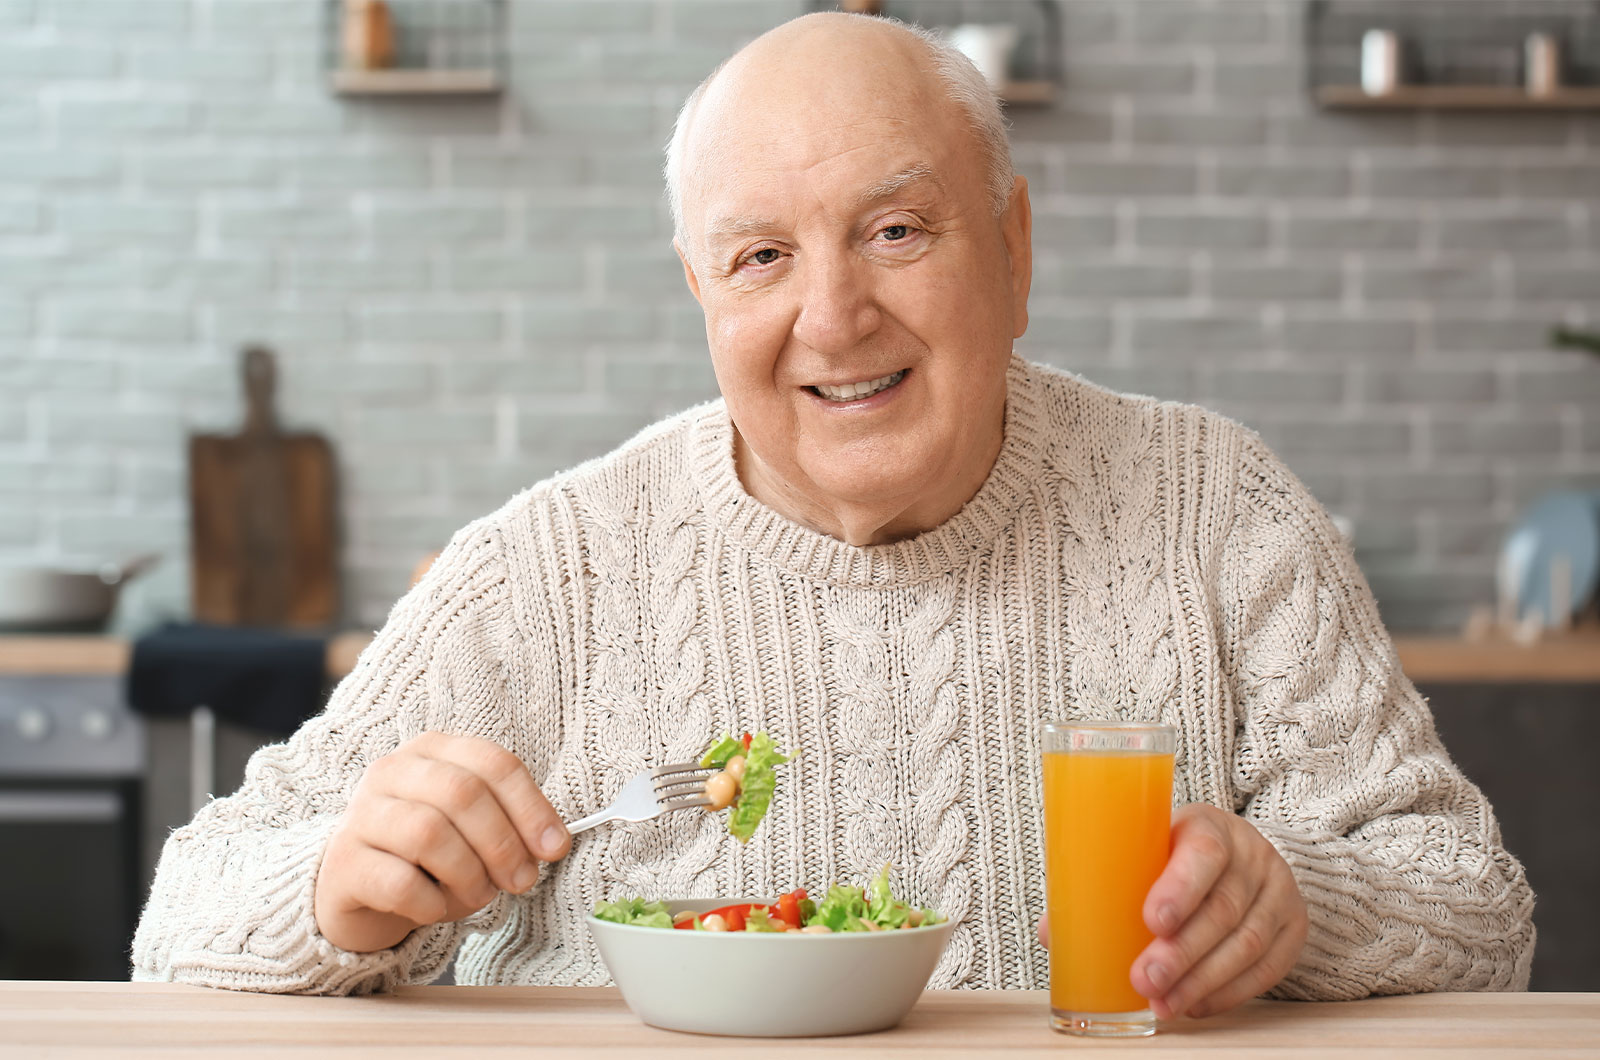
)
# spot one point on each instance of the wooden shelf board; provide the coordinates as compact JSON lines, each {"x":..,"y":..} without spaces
{"x":415,"y":82}
{"x":1458,"y":97}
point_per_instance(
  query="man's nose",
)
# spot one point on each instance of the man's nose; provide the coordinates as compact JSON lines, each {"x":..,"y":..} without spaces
{"x":838,"y":303}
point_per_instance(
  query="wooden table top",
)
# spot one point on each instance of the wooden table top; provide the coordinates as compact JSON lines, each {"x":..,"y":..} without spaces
{"x":65,"y":1020}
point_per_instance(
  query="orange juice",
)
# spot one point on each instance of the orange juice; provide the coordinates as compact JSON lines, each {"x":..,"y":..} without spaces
{"x":1108,"y":821}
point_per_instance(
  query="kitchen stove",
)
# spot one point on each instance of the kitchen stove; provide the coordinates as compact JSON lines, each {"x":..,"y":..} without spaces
{"x":72,"y":759}
{"x":59,"y":726}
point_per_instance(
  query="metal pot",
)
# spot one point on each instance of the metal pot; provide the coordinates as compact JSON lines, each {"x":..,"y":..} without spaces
{"x":36,"y":599}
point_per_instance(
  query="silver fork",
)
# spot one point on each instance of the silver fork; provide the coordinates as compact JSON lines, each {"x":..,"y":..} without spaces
{"x":653,"y":792}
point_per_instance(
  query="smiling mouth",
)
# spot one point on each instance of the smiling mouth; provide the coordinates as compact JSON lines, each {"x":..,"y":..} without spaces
{"x":857,"y":391}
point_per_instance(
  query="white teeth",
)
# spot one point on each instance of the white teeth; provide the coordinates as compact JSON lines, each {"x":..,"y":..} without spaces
{"x":857,"y":391}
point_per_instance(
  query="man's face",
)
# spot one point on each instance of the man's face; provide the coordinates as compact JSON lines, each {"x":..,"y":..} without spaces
{"x":860,"y":295}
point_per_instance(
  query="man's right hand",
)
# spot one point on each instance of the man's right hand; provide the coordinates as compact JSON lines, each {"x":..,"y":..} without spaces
{"x":433,"y":832}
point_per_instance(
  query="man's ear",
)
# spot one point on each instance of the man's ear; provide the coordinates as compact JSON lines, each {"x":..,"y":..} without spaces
{"x":1016,"y":226}
{"x":688,"y":270}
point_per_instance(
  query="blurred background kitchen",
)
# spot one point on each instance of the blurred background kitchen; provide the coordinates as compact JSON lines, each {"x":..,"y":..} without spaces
{"x":1370,"y":230}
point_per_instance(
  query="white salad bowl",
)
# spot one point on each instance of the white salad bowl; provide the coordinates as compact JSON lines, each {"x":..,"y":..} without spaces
{"x":768,"y":985}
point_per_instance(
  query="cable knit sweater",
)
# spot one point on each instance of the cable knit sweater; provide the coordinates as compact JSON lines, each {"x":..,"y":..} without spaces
{"x":1125,"y":557}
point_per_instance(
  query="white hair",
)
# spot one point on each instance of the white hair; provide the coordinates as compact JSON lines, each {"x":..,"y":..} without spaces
{"x":964,"y":86}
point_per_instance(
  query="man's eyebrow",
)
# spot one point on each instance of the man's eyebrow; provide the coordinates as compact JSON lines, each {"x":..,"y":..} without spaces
{"x":877,"y":191}
{"x":895,"y":183}
{"x":733,"y":228}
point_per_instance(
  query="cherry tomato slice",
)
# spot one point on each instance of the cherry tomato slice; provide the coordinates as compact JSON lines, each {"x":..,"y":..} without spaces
{"x":733,"y":915}
{"x":787,"y":909}
{"x":746,"y":741}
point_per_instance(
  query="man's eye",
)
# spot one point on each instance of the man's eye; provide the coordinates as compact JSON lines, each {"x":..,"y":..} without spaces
{"x":764,"y":256}
{"x":895,"y":233}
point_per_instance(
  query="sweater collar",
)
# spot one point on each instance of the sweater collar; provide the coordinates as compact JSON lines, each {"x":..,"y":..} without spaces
{"x":950,"y":546}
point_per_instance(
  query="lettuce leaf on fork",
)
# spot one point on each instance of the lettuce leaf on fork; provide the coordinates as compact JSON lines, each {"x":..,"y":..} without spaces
{"x":758,"y":785}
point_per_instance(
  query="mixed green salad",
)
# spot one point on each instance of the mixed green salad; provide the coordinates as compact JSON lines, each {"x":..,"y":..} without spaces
{"x":745,"y":779}
{"x":844,"y":909}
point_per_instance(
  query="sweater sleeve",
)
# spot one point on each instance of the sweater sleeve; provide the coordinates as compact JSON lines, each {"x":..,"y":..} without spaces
{"x":231,"y":904}
{"x":1397,"y":855}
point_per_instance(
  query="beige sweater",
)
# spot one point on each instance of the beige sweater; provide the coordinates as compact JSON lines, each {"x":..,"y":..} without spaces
{"x":1126,"y":557}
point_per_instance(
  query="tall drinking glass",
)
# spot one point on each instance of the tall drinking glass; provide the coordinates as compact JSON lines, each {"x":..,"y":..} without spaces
{"x":1107,"y":824}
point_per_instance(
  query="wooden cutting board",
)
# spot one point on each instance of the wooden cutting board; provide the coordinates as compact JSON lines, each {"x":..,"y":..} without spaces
{"x":263,"y":528}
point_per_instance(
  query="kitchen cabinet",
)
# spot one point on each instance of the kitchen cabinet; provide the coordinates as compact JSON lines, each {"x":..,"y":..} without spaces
{"x":1531,"y":749}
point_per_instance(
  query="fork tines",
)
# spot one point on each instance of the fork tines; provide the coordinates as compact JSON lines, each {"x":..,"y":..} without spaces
{"x":681,"y":784}
{"x":682,"y":767}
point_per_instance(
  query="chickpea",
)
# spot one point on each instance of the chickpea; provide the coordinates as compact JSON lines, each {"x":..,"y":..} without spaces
{"x":735,"y":768}
{"x":721,"y":789}
{"x":685,"y":915}
{"x":914,"y":919}
{"x":714,"y":922}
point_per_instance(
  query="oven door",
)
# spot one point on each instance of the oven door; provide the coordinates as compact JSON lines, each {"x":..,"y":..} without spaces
{"x":69,"y":894}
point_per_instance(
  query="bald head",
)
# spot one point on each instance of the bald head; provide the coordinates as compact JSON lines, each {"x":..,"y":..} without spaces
{"x":827,"y":67}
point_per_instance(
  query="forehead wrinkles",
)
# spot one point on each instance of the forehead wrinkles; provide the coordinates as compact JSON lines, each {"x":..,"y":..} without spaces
{"x":840,"y":170}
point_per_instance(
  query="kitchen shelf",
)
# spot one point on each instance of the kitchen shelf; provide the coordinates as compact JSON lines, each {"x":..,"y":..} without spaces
{"x":415,"y":82}
{"x":1035,"y":63}
{"x":1454,"y":54}
{"x":454,"y":48}
{"x":1457,"y":97}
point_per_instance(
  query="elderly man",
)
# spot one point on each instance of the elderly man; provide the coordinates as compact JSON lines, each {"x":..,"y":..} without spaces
{"x":901,"y":549}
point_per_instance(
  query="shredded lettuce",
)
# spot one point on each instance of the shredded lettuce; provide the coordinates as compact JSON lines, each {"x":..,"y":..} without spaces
{"x":725,"y":748}
{"x":635,"y":911}
{"x":758,"y":919}
{"x":841,"y":910}
{"x":882,"y":909}
{"x":852,"y":908}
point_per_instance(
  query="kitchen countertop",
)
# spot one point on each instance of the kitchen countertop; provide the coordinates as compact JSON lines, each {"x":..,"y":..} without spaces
{"x":63,"y":1020}
{"x":1570,"y":657}
{"x":24,"y":654}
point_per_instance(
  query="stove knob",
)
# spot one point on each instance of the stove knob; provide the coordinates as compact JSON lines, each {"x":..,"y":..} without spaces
{"x":98,"y":724}
{"x":33,"y":724}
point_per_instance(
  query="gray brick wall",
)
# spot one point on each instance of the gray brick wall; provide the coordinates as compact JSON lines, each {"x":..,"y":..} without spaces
{"x":468,"y":295}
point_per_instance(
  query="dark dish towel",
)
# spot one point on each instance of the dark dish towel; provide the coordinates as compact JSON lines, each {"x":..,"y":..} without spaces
{"x":260,"y":678}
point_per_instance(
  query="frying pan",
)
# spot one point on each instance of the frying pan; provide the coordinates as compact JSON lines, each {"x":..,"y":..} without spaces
{"x":38,"y":599}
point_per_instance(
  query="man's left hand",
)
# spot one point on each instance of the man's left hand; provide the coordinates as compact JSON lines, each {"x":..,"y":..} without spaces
{"x":1228,"y":918}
